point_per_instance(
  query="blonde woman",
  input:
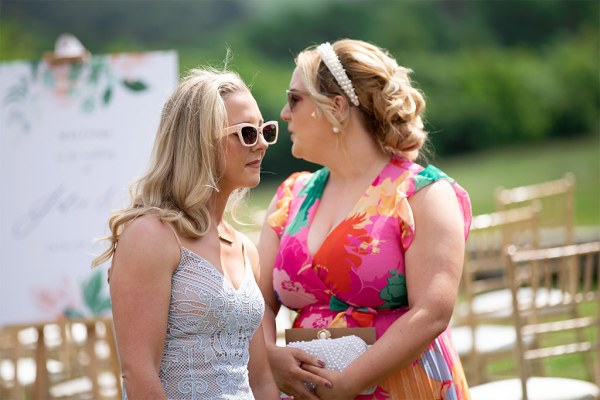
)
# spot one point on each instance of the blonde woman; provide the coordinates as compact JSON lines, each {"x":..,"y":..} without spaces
{"x":186,"y":306}
{"x":372,"y":239}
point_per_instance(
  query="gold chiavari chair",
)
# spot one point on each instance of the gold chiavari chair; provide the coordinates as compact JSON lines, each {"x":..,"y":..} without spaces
{"x":481,"y":331}
{"x":565,"y":326}
{"x":557,"y":212}
{"x":66,"y":359}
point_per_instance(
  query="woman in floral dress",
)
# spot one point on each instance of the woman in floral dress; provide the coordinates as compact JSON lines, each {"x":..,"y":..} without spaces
{"x":372,"y":239}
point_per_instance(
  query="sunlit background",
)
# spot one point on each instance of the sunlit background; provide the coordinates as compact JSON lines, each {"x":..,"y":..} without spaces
{"x":512,"y":87}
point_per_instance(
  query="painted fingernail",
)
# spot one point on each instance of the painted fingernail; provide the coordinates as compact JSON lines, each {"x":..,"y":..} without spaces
{"x":321,"y":363}
{"x":328,"y":385}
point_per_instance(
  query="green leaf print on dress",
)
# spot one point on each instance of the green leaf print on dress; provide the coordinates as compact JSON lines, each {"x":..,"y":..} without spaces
{"x":313,"y":191}
{"x":395,"y":293}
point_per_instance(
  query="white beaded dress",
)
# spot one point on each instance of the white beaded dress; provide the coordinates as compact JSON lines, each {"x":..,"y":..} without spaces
{"x":209,"y":329}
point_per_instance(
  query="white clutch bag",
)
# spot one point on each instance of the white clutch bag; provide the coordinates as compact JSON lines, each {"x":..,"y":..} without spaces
{"x":337,"y":352}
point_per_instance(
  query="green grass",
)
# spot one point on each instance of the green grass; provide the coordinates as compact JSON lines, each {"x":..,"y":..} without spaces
{"x":481,"y":173}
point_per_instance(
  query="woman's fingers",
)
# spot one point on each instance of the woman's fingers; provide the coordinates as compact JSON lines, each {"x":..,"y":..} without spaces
{"x":306,"y":358}
{"x":315,"y":375}
{"x":309,"y":365}
{"x":301,"y":391}
{"x":295,"y":378}
{"x":304,"y":394}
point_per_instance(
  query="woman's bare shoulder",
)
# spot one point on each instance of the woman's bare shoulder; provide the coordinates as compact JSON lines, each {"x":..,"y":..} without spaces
{"x":148,"y":227}
{"x":149,"y":238}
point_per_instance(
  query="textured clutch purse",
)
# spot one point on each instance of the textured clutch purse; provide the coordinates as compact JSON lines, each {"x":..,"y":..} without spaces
{"x":305,"y":334}
{"x":337,"y":347}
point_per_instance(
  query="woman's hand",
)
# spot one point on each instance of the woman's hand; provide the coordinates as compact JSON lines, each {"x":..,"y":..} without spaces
{"x":290,"y":370}
{"x":341,"y":389}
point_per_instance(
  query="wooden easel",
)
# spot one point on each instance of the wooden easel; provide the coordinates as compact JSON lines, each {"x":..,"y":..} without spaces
{"x":67,"y":50}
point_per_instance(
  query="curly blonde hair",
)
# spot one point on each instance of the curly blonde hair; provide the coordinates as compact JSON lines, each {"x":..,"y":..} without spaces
{"x":391,"y":108}
{"x":187,"y":159}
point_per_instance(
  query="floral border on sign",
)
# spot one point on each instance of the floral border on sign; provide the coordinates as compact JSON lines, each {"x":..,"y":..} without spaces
{"x":95,"y":303}
{"x":91,"y":84}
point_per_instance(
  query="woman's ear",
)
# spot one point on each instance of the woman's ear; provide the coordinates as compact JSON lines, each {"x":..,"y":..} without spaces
{"x":340,"y":106}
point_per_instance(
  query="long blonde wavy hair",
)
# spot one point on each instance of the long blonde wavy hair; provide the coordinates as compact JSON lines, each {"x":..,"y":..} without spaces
{"x":391,"y":107}
{"x":187,"y":159}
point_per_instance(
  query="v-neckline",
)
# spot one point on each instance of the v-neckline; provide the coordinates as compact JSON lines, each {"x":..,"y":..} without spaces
{"x":220,"y":273}
{"x":348,"y":215}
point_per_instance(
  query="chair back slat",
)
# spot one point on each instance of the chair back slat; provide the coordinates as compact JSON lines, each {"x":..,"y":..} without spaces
{"x":485,"y":263}
{"x":558,"y":320}
{"x":557,"y":201}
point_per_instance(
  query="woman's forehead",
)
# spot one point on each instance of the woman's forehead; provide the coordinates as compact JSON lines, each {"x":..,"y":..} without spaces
{"x":296,"y":82}
{"x":241,"y":107}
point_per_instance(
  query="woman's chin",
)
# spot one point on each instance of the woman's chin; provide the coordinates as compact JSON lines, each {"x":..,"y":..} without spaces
{"x":253,"y":182}
{"x":296,"y":152}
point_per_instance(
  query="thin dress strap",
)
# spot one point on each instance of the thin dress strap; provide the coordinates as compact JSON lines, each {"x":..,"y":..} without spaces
{"x":176,"y":235}
{"x":244,"y":255}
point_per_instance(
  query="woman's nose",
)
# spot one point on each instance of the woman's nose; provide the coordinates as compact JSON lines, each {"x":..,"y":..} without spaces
{"x":261,"y":143}
{"x":285,"y":112}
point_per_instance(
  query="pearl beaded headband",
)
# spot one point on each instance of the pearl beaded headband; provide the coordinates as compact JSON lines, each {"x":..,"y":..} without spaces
{"x":334,"y":65}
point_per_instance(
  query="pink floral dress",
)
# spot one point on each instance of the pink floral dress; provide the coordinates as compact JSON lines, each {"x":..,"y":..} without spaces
{"x":357,"y":277}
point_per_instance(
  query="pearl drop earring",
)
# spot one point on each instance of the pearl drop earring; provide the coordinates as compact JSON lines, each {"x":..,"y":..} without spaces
{"x":336,"y":129}
{"x":313,"y":114}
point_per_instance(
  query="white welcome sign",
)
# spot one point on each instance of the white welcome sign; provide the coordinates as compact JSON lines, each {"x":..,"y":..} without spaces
{"x":72,"y":139}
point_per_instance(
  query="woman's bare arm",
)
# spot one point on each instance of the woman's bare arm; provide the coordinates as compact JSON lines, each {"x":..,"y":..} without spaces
{"x":140,"y":288}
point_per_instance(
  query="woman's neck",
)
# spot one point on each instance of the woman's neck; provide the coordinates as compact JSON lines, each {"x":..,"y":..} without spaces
{"x":219,"y":226}
{"x":357,"y":156}
{"x":218,"y":204}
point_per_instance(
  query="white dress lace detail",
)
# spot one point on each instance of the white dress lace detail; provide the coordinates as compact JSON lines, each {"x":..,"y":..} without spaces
{"x":208,"y":334}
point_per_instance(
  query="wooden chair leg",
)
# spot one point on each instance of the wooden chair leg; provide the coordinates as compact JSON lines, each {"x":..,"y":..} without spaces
{"x":93,"y":359}
{"x":17,"y":390}
{"x":40,"y":387}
